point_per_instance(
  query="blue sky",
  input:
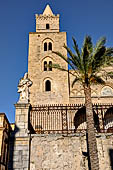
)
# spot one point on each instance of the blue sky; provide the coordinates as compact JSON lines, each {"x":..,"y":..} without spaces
{"x":17,"y":19}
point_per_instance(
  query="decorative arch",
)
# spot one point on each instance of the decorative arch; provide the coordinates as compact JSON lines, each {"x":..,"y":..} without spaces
{"x":106,"y":91}
{"x":79,"y":93}
{"x":108,"y":119}
{"x":80,"y":119}
{"x":94,"y":93}
{"x":47,"y":63}
{"x":47,"y":39}
{"x":73,"y":93}
{"x":47,"y":44}
{"x":47,"y":58}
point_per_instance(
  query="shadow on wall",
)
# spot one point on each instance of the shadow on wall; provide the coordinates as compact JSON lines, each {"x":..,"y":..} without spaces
{"x":11,"y":148}
{"x":86,"y":154}
{"x":111,"y":158}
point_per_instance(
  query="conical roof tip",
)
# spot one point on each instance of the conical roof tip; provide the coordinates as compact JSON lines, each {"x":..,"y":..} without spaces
{"x":47,"y":11}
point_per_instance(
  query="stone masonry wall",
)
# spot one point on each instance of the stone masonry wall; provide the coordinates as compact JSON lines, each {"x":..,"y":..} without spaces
{"x":42,"y":20}
{"x":19,"y":142}
{"x":56,"y":152}
{"x":19,"y":153}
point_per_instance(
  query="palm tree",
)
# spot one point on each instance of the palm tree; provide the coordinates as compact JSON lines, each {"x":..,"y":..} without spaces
{"x":86,"y":64}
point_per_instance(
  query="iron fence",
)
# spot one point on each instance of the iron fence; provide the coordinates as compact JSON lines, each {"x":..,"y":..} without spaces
{"x":62,"y":119}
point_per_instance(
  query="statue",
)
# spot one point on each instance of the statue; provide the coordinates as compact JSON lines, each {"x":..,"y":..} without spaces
{"x":23,"y":89}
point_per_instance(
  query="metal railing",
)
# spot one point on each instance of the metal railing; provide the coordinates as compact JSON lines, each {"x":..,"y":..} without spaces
{"x":62,"y":119}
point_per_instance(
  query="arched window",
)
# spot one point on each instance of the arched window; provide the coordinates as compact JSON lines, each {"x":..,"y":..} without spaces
{"x":50,"y":46}
{"x":47,"y":85}
{"x":50,"y":65}
{"x":47,"y":26}
{"x":45,"y":46}
{"x":45,"y":65}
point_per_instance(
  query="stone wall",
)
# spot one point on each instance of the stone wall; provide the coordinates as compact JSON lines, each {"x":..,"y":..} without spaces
{"x":19,"y":153}
{"x":42,"y":20}
{"x":56,"y":152}
{"x":19,"y":141}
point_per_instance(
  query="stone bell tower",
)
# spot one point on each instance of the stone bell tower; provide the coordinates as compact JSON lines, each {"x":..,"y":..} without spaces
{"x":50,"y":86}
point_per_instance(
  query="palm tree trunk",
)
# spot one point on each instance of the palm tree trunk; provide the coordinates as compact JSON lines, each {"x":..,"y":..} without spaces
{"x":93,"y":152}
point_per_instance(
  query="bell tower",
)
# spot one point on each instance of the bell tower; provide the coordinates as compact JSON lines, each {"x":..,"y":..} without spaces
{"x":50,"y":86}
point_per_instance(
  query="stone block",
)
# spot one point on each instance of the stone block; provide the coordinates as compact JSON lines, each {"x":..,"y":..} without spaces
{"x":16,"y":158}
{"x":25,"y":163}
{"x":17,"y":165}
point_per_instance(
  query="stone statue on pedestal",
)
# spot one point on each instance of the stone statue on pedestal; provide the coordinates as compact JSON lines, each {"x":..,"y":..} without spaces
{"x":23,"y":89}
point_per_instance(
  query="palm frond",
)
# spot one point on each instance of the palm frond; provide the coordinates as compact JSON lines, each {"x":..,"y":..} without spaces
{"x":109,"y":56}
{"x":94,"y":79}
{"x":76,"y":47}
{"x":101,"y":42}
{"x":98,"y":59}
{"x":64,"y":58}
{"x":57,"y":66}
{"x":73,"y":58}
{"x":74,"y":61}
{"x":103,"y":58}
{"x":79,"y":58}
{"x":88,"y":43}
{"x":86,"y":50}
{"x":75,"y":80}
{"x":110,"y":74}
{"x":109,"y":51}
{"x":69,"y":51}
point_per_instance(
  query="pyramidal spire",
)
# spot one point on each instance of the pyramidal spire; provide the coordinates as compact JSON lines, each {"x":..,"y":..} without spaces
{"x":47,"y":11}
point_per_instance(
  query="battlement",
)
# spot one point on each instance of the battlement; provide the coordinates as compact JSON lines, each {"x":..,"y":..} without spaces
{"x":47,"y":22}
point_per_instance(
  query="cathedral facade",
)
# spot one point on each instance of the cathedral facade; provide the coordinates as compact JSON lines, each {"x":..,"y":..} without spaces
{"x":50,"y":120}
